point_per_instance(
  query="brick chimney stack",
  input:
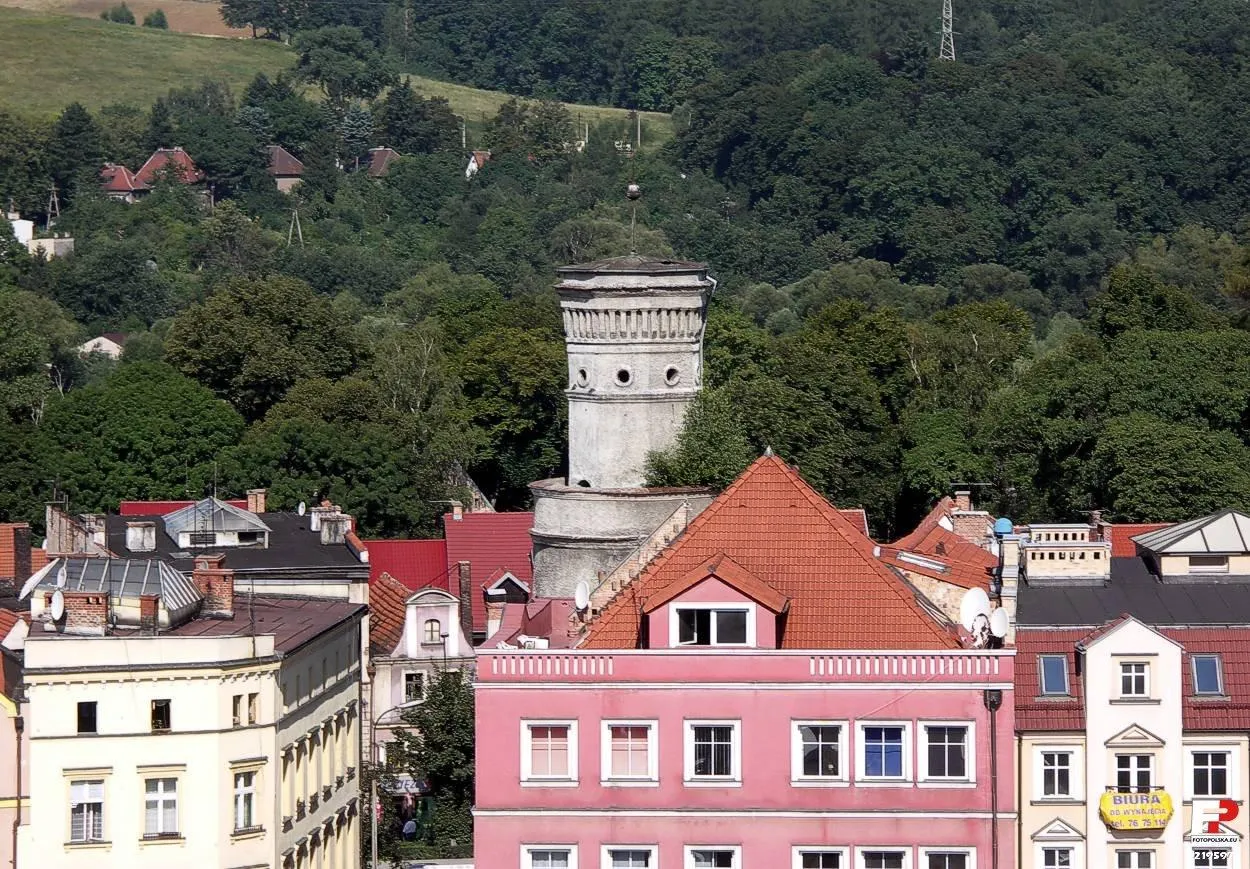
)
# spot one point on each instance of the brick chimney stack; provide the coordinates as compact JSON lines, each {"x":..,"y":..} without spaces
{"x":149,"y":614}
{"x":963,"y":501}
{"x":256,"y":500}
{"x":457,"y":511}
{"x":216,"y":585}
{"x":465,"y":574}
{"x":86,"y":613}
{"x":21,"y":556}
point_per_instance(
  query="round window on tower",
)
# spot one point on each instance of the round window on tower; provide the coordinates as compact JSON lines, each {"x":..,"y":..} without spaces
{"x":582,"y":377}
{"x":672,"y":376}
{"x":623,"y":377}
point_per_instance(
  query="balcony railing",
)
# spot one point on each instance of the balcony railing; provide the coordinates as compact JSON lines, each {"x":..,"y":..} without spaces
{"x":746,"y":665}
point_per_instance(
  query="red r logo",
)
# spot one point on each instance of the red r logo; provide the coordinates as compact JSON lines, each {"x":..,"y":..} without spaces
{"x":1228,"y":811}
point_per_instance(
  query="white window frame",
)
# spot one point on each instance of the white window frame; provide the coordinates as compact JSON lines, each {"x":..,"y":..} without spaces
{"x":1234,"y":769}
{"x":688,"y":854}
{"x":797,"y":778}
{"x":1217,"y":564}
{"x":425,"y":632}
{"x":1219,"y":674}
{"x":1041,"y":677}
{"x":527,"y":850}
{"x":1152,"y":766}
{"x":605,"y":858}
{"x":796,"y":860}
{"x":970,"y":853}
{"x":735,"y":753}
{"x":527,"y":774}
{"x":862,"y":852}
{"x":1076,"y":773}
{"x":969,"y":779}
{"x":87,"y":780}
{"x":241,"y":793}
{"x":1076,"y":847}
{"x":652,"y":778}
{"x":160,"y":798}
{"x":861,"y":755}
{"x":1145,"y":665}
{"x":674,"y":624}
{"x":1154,"y":862}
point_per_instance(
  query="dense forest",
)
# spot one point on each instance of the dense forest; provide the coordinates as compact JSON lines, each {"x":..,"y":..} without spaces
{"x":1027,"y":269}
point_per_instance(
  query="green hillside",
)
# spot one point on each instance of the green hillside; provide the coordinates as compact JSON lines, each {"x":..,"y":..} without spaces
{"x":47,"y":61}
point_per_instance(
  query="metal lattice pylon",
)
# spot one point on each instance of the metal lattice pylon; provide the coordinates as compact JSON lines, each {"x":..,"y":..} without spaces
{"x":948,"y":31}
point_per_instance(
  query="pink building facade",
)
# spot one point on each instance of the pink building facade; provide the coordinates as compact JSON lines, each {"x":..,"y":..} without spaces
{"x":745,"y":758}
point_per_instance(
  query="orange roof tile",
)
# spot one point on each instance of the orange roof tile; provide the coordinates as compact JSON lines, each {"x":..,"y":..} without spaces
{"x":857,"y":516}
{"x":777,"y":528}
{"x":942,"y":509}
{"x":1122,"y":545}
{"x":388,"y":606}
{"x":8,"y":618}
{"x":175,"y":160}
{"x":731,"y":573}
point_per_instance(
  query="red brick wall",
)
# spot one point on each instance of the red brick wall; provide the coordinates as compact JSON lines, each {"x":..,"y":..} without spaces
{"x":86,"y":612}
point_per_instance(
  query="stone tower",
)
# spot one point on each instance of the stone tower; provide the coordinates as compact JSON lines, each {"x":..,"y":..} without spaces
{"x":633,"y":330}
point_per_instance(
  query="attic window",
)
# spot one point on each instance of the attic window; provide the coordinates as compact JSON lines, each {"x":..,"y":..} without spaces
{"x":707,"y":626}
{"x":1208,"y":564}
{"x":1053,"y":670}
{"x":1207,"y":675}
{"x":202,"y":538}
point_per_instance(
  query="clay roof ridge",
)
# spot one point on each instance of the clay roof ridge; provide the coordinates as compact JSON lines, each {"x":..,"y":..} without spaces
{"x":927,"y":524}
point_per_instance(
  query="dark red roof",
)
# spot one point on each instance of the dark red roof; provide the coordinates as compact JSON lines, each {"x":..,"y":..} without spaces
{"x":119,"y":179}
{"x":777,"y":528}
{"x":388,"y":606}
{"x":8,"y":618}
{"x":857,"y":516}
{"x":1122,"y":545}
{"x":492,"y":543}
{"x":380,"y":161}
{"x":282,"y":163}
{"x":1035,"y":713}
{"x":292,"y":621}
{"x":414,"y":563}
{"x":547,"y":618}
{"x":160,"y":508}
{"x":173,"y":159}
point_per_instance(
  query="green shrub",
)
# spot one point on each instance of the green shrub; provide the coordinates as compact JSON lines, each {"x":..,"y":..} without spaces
{"x":156,"y":19}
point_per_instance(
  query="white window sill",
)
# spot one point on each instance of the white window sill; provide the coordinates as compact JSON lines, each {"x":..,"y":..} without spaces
{"x":170,"y":839}
{"x":86,"y":846}
{"x":945,"y":783}
{"x":630,"y":782}
{"x":549,"y":783}
{"x":1062,"y":800}
{"x":713,"y":783}
{"x":819,"y":783}
{"x":884,"y":783}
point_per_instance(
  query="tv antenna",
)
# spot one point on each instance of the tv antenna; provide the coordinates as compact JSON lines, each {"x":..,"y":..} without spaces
{"x":948,"y":32}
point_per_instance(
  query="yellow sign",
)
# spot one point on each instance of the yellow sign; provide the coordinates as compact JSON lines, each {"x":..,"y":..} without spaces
{"x":1149,"y":811}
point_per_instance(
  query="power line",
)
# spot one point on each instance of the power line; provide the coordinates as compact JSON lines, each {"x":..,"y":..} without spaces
{"x":948,"y":32}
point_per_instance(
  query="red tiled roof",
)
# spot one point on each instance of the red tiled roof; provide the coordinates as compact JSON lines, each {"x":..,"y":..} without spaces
{"x":414,"y":563}
{"x":8,"y":618}
{"x":119,"y":179}
{"x":283,"y":163}
{"x":547,"y":618}
{"x":175,"y":159}
{"x":940,"y":510}
{"x":857,"y":516}
{"x":388,"y":606}
{"x":729,"y":572}
{"x":1122,"y":545}
{"x":380,"y":161}
{"x":160,"y":508}
{"x":490,"y":542}
{"x":1231,"y":644}
{"x":775,"y":526}
{"x":38,"y":560}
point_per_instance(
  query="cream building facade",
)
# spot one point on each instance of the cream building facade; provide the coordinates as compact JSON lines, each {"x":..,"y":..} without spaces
{"x":1133,"y":696}
{"x":227,"y":736}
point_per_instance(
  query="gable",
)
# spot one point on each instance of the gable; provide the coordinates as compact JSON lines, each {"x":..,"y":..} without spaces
{"x":706,"y":582}
{"x":779,"y":530}
{"x":507,"y":584}
{"x":1225,"y":532}
{"x":1135,"y":736}
{"x":1058,"y":830}
{"x":1124,"y":627}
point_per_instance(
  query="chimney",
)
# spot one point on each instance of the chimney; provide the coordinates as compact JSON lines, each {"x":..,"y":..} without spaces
{"x":141,"y":536}
{"x":149,"y":614}
{"x":457,"y":511}
{"x":466,"y":599}
{"x":963,"y":500}
{"x":256,"y":500}
{"x":21,"y":554}
{"x":316,"y":515}
{"x":1009,"y":581}
{"x":216,"y":585}
{"x":86,"y":613}
{"x":334,"y":528}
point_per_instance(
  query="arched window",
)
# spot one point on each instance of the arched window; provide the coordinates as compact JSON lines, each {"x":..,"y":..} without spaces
{"x":433,"y":630}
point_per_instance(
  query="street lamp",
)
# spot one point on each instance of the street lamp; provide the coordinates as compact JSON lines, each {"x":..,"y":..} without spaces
{"x":373,"y":785}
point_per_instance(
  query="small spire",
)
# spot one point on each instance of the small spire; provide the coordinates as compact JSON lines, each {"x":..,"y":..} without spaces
{"x":768,"y":451}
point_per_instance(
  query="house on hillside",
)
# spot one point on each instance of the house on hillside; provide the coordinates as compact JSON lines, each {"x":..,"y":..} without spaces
{"x":477,"y":160}
{"x":121,"y":184}
{"x":110,"y":344}
{"x":285,"y":168}
{"x":380,"y":160}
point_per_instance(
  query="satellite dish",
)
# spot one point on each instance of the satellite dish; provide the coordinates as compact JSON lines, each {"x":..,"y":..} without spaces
{"x":58,"y":605}
{"x":302,"y":508}
{"x":44,"y":545}
{"x":581,"y":595}
{"x":61,"y":576}
{"x":975,"y":603}
{"x":999,"y":623}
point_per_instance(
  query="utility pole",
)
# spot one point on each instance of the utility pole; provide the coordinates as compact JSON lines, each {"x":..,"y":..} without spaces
{"x":295,"y":229}
{"x":948,"y":32}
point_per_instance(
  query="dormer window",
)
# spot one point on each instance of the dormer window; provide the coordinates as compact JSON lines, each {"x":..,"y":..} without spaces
{"x":433,"y":631}
{"x":714,"y":625}
{"x":1207,"y":675}
{"x":1053,"y":670}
